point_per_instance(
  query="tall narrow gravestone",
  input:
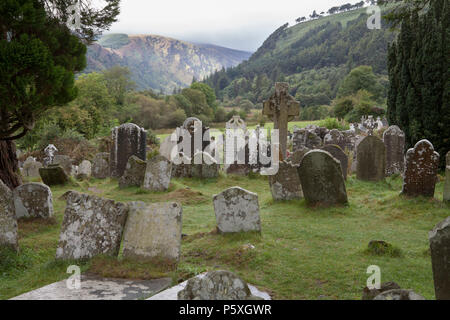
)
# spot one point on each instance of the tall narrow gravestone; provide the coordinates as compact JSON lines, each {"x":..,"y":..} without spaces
{"x":440,"y":258}
{"x":370,"y":159}
{"x":421,"y":166}
{"x":128,"y":140}
{"x":394,"y":140}
{"x":447,"y":178}
{"x":8,"y":222}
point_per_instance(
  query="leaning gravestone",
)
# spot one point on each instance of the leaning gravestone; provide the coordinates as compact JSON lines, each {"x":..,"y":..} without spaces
{"x":33,"y":200}
{"x":91,"y":226}
{"x":237,"y":210}
{"x":153,"y":232}
{"x":204,"y":166}
{"x":440,"y":258}
{"x":321,"y":178}
{"x":370,"y":159}
{"x":394,"y":140}
{"x":31,"y":167}
{"x":421,"y":166}
{"x":134,"y":173}
{"x":84,"y":170}
{"x":285,"y":184}
{"x":8,"y":222}
{"x":447,"y":178}
{"x":157,"y":174}
{"x":65,"y":162}
{"x":53,"y":175}
{"x":340,"y":155}
{"x":100,"y":166}
{"x":128,"y":140}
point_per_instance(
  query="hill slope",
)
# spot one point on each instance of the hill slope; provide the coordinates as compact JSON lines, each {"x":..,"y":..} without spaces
{"x":159,"y":62}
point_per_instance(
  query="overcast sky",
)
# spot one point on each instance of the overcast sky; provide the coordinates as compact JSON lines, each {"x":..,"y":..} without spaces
{"x":238,"y":24}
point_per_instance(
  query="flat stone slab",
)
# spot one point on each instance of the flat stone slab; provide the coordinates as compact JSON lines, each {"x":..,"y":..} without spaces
{"x":94,"y":288}
{"x":172,"y":293}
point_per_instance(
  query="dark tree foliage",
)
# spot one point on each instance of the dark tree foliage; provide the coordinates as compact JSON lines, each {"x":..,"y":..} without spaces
{"x":419,"y":73}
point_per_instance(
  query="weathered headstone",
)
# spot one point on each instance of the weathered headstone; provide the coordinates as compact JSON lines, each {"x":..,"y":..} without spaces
{"x":84,"y":170}
{"x":100,"y":166}
{"x":237,"y":210}
{"x":370,"y":159}
{"x":236,"y":123}
{"x":305,"y":138}
{"x":65,"y":162}
{"x":340,"y":155}
{"x":282,"y":108}
{"x":33,"y":200}
{"x":399,"y":294}
{"x":421,"y":166}
{"x":369,"y":294}
{"x":447,"y":178}
{"x":166,"y":147}
{"x":335,"y":137}
{"x":53,"y":175}
{"x":440,"y":258}
{"x":321,"y":179}
{"x":296,"y":157}
{"x":204,"y":166}
{"x":153,"y":232}
{"x":91,"y":226}
{"x":181,"y":166}
{"x":31,"y":167}
{"x":128,"y":140}
{"x":8,"y":222}
{"x":157,"y":174}
{"x":394,"y":140}
{"x":285,"y":184}
{"x":134,"y":173}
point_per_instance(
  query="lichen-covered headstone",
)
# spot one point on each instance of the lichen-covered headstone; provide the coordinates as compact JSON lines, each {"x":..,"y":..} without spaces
{"x":84,"y":170}
{"x":31,"y":167}
{"x":370,"y":159}
{"x":181,"y":166}
{"x":340,"y":155}
{"x":157,"y":174}
{"x":285,"y":184}
{"x":335,"y":137}
{"x":134,"y":173}
{"x":305,"y":138}
{"x":440,"y":258}
{"x":128,"y":140}
{"x":65,"y":162}
{"x":321,"y":179}
{"x":33,"y":200}
{"x":394,"y":140}
{"x":447,"y":178}
{"x":399,"y":294}
{"x":237,"y":210}
{"x":296,"y":157}
{"x":204,"y":166}
{"x":100,"y":166}
{"x":8,"y":222}
{"x":421,"y":166}
{"x":53,"y":175}
{"x":153,"y":232}
{"x":91,"y":226}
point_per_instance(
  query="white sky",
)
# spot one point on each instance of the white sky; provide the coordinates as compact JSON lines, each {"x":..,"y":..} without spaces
{"x":238,"y":24}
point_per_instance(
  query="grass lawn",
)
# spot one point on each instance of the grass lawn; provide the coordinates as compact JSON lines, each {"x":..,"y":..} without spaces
{"x":302,"y":252}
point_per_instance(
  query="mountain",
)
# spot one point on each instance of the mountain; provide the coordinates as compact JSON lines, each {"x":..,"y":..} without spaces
{"x":159,"y":62}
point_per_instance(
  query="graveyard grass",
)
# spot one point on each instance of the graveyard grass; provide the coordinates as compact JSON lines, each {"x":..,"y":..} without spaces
{"x":302,"y":252}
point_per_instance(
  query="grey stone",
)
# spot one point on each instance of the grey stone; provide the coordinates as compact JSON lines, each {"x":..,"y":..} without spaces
{"x":394,"y":140}
{"x":440,"y":258}
{"x":204,"y":166}
{"x":8,"y":222}
{"x":321,"y":178}
{"x":447,"y":178}
{"x":236,"y":123}
{"x":153,"y":232}
{"x":53,"y":175}
{"x":305,"y":138}
{"x":33,"y":200}
{"x":369,"y":294}
{"x":100,"y":166}
{"x":157,"y":174}
{"x":166,"y":147}
{"x":370,"y":159}
{"x":181,"y":166}
{"x":285,"y":185}
{"x":31,"y":167}
{"x":338,"y":154}
{"x":296,"y":157}
{"x":238,"y":169}
{"x":335,"y":137}
{"x":421,"y":166}
{"x":84,"y":170}
{"x":237,"y":210}
{"x":134,"y":173}
{"x":91,"y":226}
{"x":399,"y":294}
{"x":65,"y":162}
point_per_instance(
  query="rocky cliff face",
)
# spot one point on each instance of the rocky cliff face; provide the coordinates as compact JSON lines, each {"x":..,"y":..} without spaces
{"x":158,"y":62}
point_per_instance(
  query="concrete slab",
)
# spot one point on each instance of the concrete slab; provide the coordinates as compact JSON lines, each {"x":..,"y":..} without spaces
{"x":93,"y":288}
{"x":172,"y":293}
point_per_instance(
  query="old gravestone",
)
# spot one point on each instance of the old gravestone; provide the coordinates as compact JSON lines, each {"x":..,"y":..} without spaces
{"x":204,"y":166}
{"x":33,"y":200}
{"x":447,"y":178}
{"x":440,"y":258}
{"x":100,"y":166}
{"x":321,"y":179}
{"x":370,"y":159}
{"x":236,"y":123}
{"x":285,"y":184}
{"x":157,"y":174}
{"x":335,"y":137}
{"x":340,"y":155}
{"x":65,"y":162}
{"x":296,"y":157}
{"x":8,"y":222}
{"x":153,"y":232}
{"x":134,"y":173}
{"x":394,"y":140}
{"x":84,"y":170}
{"x":421,"y":166}
{"x":53,"y":175}
{"x":91,"y":226}
{"x":181,"y":166}
{"x":237,"y":210}
{"x":399,"y":294}
{"x":128,"y":140}
{"x":31,"y":167}
{"x":282,"y":108}
{"x":304,"y":138}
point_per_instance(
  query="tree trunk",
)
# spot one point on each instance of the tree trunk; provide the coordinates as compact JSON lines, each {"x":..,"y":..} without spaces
{"x":9,"y":166}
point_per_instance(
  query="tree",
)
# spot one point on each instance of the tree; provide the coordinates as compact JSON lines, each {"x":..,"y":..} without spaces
{"x":119,"y":83}
{"x":208,"y":92}
{"x":361,"y":77}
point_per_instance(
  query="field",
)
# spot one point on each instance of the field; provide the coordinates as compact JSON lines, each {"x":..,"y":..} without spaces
{"x":302,"y":252}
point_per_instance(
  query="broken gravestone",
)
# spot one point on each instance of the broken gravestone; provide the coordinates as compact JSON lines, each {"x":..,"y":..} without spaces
{"x":447,"y":178}
{"x":370,"y":159}
{"x":100,"y":166}
{"x":157,"y":174}
{"x":321,"y":179}
{"x":134,"y":173}
{"x":91,"y":226}
{"x":285,"y":184}
{"x":237,"y":210}
{"x":53,"y":175}
{"x":153,"y":232}
{"x":8,"y":222}
{"x":33,"y":200}
{"x":421,"y":166}
{"x":394,"y":140}
{"x":338,"y":154}
{"x":440,"y":258}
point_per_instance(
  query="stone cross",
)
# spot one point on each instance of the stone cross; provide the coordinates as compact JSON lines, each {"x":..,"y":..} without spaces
{"x":282,"y":108}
